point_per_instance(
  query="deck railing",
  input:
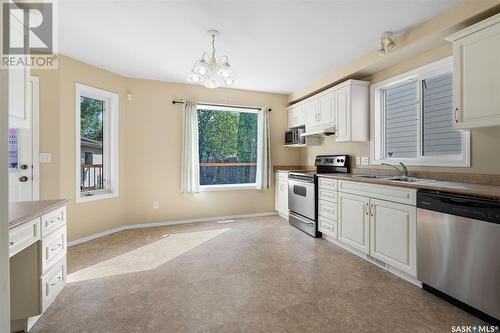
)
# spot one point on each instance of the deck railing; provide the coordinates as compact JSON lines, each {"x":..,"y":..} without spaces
{"x":91,"y":177}
{"x":213,"y":173}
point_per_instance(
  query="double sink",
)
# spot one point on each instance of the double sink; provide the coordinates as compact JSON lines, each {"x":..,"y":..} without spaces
{"x":394,"y":178}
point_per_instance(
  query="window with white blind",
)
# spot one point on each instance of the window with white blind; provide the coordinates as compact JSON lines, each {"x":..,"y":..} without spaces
{"x":414,"y":119}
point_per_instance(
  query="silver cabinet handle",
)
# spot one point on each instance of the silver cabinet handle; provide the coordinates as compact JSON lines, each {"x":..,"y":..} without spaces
{"x":455,"y":115}
{"x":56,"y":247}
{"x":371,"y":209}
{"x":58,"y":280}
{"x":57,"y":219}
{"x":366,"y":209}
{"x":11,"y":243}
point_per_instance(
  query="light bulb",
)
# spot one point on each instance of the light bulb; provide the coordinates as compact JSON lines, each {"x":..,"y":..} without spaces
{"x":194,"y":77}
{"x":211,"y":84}
{"x":225,"y":70}
{"x":201,"y":67}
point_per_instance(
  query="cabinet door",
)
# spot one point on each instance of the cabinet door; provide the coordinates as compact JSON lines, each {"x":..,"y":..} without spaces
{"x":343,"y":112}
{"x":325,"y":111}
{"x":19,"y":117}
{"x":291,"y":114}
{"x":281,"y":197}
{"x":393,"y":230}
{"x":311,"y":111}
{"x":284,"y":198}
{"x":353,"y":221}
{"x":477,"y":79}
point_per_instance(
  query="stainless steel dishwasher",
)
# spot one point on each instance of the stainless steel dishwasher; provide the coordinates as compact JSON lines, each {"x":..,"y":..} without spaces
{"x":458,"y":250}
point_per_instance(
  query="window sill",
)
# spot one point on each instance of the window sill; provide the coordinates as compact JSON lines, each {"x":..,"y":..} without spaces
{"x":97,"y":196}
{"x":229,"y":187}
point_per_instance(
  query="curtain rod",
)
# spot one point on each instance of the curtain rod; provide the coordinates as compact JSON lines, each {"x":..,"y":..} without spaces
{"x":175,"y":101}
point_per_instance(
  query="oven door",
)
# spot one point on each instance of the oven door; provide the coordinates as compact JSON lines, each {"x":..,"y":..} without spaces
{"x":302,"y":197}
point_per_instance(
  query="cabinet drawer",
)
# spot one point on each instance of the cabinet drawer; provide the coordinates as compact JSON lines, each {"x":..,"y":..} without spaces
{"x":326,"y":195}
{"x":402,"y":195}
{"x":327,"y":209}
{"x":23,"y":235}
{"x":327,"y":184}
{"x":53,"y":248}
{"x":53,"y":220}
{"x":327,"y":226}
{"x":53,"y":282}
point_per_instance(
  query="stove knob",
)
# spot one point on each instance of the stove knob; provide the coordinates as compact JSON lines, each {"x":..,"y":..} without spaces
{"x":338,"y":160}
{"x":342,"y":160}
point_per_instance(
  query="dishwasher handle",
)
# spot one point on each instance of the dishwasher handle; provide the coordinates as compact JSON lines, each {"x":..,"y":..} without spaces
{"x":460,"y":205}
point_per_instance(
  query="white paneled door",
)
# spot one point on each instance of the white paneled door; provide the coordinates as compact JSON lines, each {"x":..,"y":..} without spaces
{"x":23,"y":151}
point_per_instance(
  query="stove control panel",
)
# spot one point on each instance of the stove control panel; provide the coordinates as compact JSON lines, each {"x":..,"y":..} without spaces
{"x":332,"y":160}
{"x":332,"y":164}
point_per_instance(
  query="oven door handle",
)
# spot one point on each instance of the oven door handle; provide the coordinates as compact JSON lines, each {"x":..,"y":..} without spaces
{"x":300,"y":218}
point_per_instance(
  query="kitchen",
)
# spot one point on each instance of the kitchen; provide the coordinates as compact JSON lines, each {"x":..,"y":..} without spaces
{"x":365,"y":198}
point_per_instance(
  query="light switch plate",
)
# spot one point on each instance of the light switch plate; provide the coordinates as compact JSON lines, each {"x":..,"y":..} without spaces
{"x":358,"y":160}
{"x":45,"y":157}
{"x":364,"y":160}
{"x":156,"y":205}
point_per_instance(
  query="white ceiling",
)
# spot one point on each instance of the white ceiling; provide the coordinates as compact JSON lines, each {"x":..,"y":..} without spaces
{"x":275,"y":46}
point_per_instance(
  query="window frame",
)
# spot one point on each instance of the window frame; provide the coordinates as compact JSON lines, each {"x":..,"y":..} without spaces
{"x":110,"y":142}
{"x":377,"y":90}
{"x":233,"y":108}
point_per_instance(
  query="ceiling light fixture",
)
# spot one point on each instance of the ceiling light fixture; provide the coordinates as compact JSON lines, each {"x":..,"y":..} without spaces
{"x":209,"y":71}
{"x":386,"y":44}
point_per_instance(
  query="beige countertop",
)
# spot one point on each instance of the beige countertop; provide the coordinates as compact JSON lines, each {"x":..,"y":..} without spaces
{"x":23,"y":211}
{"x":483,"y":190}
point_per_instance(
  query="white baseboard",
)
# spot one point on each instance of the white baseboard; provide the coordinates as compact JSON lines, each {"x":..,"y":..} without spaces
{"x":165,"y":223}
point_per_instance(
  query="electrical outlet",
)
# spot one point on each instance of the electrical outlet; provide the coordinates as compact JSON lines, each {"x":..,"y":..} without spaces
{"x":156,"y":205}
{"x":358,"y":160}
{"x":364,"y":160}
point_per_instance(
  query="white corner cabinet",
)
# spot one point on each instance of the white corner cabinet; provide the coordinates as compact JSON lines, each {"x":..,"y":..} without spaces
{"x":19,"y":97}
{"x":342,"y":109}
{"x":281,"y":193}
{"x":476,"y":79}
{"x":372,"y":221}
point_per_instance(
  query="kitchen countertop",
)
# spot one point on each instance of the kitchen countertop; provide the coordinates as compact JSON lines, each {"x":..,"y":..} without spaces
{"x":23,"y":211}
{"x":482,"y":190}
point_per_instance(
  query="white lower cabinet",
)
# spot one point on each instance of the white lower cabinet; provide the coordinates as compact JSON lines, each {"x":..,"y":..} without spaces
{"x":393,"y":234}
{"x":281,"y":194}
{"x":372,"y":220}
{"x":353,"y":221}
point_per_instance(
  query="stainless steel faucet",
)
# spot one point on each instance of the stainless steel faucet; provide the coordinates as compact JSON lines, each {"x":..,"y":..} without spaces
{"x":403,"y":170}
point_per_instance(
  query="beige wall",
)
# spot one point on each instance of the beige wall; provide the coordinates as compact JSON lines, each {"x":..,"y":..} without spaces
{"x":485,"y":142}
{"x":149,"y":149}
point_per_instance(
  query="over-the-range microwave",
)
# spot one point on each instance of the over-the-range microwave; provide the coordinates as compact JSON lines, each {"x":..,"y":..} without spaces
{"x":292,"y":136}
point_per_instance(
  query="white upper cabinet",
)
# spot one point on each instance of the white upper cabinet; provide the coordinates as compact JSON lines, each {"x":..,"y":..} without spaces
{"x":326,"y":111}
{"x":352,"y":110}
{"x":18,"y":98}
{"x":343,"y":109}
{"x":296,"y":117}
{"x":313,"y":117}
{"x":476,"y":83}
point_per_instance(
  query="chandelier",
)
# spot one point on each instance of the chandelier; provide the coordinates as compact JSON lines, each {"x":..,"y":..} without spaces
{"x":209,"y":71}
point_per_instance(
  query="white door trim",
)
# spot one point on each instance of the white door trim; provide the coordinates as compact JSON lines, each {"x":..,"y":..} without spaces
{"x":35,"y":137}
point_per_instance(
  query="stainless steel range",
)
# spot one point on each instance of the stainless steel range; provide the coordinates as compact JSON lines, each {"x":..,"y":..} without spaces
{"x":303,"y":191}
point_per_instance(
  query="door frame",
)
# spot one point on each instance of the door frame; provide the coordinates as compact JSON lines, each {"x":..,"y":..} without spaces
{"x":35,"y":137}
